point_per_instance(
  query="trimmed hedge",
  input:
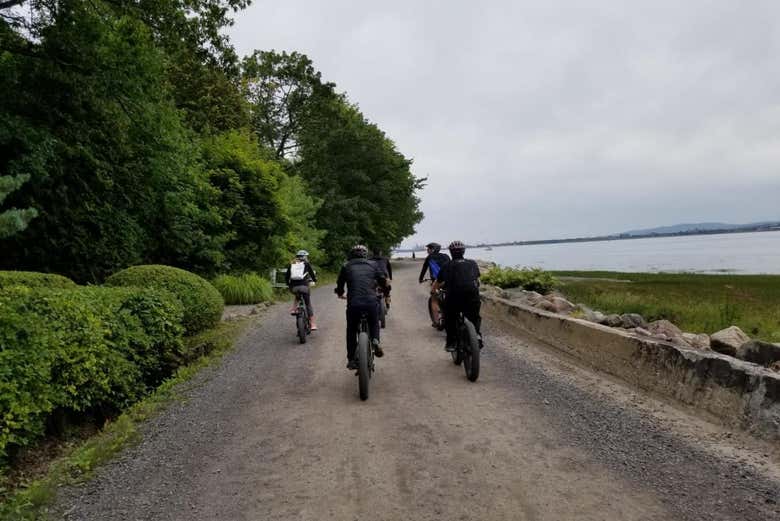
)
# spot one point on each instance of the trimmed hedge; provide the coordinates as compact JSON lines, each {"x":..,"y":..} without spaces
{"x":203,"y":304}
{"x":88,"y":349}
{"x":249,"y":288}
{"x":32,"y":279}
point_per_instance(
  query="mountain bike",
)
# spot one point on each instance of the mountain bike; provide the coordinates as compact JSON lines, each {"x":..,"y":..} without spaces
{"x":365,"y":357}
{"x":383,"y":308}
{"x":437,"y":316}
{"x":467,"y":348}
{"x":302,"y":324}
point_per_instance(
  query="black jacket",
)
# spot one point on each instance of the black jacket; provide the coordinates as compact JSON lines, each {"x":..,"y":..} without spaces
{"x":440,"y":258}
{"x":361,"y":277}
{"x":460,"y":278}
{"x":309,"y":275}
{"x":383,"y":263}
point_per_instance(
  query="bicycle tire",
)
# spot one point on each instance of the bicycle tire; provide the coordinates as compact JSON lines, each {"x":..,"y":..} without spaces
{"x":457,"y":356}
{"x":300,"y":323}
{"x":363,"y":365}
{"x":382,"y":313}
{"x":471,"y":351}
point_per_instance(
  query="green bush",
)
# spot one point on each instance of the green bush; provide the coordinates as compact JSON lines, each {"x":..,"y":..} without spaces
{"x":31,"y":279}
{"x":202,"y":302}
{"x":531,"y":279}
{"x":249,"y":288}
{"x":88,"y":349}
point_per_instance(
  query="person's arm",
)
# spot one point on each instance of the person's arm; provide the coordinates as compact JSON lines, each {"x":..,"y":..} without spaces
{"x":424,"y":269}
{"x":341,"y":281}
{"x":311,"y":271}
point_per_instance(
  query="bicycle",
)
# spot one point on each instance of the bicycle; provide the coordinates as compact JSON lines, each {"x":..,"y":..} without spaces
{"x":365,"y":357}
{"x":467,"y":348}
{"x":383,"y":308}
{"x":437,"y":317}
{"x":302,"y":324}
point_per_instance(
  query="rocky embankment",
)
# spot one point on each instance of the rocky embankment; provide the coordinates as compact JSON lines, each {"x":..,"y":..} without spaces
{"x":731,"y":341}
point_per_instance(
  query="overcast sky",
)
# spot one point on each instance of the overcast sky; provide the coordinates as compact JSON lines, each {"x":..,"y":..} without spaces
{"x":556,"y":118}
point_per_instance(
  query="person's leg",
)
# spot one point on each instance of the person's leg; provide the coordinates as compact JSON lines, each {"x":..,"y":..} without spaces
{"x":353,"y":318}
{"x":471,"y":312}
{"x":306,"y":295}
{"x":450,"y":321}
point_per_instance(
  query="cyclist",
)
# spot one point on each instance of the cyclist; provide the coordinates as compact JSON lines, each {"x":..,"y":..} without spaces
{"x":433,"y":264}
{"x":383,"y":263}
{"x":362,"y":278}
{"x":298,"y":276}
{"x":461,"y":278}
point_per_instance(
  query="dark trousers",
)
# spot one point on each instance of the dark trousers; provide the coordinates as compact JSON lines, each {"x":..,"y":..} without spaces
{"x":305,"y":293}
{"x":354,"y":312}
{"x":469,"y":305}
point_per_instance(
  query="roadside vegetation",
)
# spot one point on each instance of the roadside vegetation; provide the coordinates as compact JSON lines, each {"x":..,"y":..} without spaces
{"x":694,"y":302}
{"x":141,"y":158}
{"x":531,"y":279}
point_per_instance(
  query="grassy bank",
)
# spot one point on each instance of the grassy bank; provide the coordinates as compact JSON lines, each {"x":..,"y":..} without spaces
{"x":26,"y":493}
{"x":696,"y":303}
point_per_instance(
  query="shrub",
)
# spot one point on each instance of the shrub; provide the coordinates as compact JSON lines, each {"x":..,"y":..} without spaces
{"x":531,"y":279}
{"x":249,"y":288}
{"x":32,"y":279}
{"x":88,"y":349}
{"x":202,"y":302}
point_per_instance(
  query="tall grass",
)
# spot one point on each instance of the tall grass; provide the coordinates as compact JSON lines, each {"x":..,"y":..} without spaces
{"x":248,"y":288}
{"x":695,"y":302}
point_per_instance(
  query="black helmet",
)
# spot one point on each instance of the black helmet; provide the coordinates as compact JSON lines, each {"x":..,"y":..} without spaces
{"x":457,"y":247}
{"x":435,"y":246}
{"x":358,"y":251}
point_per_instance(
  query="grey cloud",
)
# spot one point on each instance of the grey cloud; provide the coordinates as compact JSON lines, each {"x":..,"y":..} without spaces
{"x":557,"y":118}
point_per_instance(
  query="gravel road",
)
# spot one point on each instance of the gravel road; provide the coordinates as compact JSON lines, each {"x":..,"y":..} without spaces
{"x":277,"y":431}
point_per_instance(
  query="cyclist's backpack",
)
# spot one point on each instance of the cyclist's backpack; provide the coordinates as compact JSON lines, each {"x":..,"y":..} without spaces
{"x":297,"y":271}
{"x":463,"y":277}
{"x":435,"y":268}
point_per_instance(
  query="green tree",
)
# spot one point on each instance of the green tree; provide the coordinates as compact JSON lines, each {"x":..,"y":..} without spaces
{"x":13,"y":220}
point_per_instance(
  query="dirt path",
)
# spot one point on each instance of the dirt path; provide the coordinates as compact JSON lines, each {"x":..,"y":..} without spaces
{"x":278,"y":432}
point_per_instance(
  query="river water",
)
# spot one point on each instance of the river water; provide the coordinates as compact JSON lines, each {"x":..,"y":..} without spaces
{"x":743,"y":253}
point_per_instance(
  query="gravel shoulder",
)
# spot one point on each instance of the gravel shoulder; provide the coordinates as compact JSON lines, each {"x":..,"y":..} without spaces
{"x":277,"y":432}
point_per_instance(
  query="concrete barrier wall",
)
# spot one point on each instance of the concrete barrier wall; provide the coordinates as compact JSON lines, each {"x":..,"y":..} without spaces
{"x":740,"y":394}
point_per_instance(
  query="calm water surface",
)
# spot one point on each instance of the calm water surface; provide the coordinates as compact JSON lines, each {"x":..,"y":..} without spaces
{"x":757,"y":252}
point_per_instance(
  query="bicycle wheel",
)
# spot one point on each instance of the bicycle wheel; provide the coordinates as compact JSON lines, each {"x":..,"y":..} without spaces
{"x":457,"y":356}
{"x":382,"y":313}
{"x":470,"y":350}
{"x":300,"y":323}
{"x":363,"y":365}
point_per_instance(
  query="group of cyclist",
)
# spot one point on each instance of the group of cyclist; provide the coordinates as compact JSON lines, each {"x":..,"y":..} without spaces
{"x":460,"y":277}
{"x":362,"y":281}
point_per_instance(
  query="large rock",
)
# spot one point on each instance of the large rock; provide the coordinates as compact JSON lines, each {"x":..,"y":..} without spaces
{"x":555,"y":304}
{"x":631,"y":320}
{"x":728,"y":340}
{"x":588,"y":314}
{"x":664,"y":327}
{"x":759,"y":352}
{"x":697,"y":341}
{"x":613,"y":321}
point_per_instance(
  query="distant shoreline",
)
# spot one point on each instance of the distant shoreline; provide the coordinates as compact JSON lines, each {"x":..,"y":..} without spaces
{"x":620,"y":237}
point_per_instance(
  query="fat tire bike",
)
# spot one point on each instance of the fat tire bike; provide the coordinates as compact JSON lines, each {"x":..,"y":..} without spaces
{"x":364,"y":355}
{"x":467,"y":348}
{"x":437,"y":318}
{"x":302,"y":324}
{"x":383,"y":308}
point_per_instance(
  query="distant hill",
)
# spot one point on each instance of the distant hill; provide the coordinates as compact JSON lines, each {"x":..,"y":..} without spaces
{"x":695,"y":227}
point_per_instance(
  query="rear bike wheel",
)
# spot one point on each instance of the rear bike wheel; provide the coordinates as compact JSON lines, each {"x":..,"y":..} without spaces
{"x":363,"y":364}
{"x":302,"y":326}
{"x":470,"y":344}
{"x":382,"y":313}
